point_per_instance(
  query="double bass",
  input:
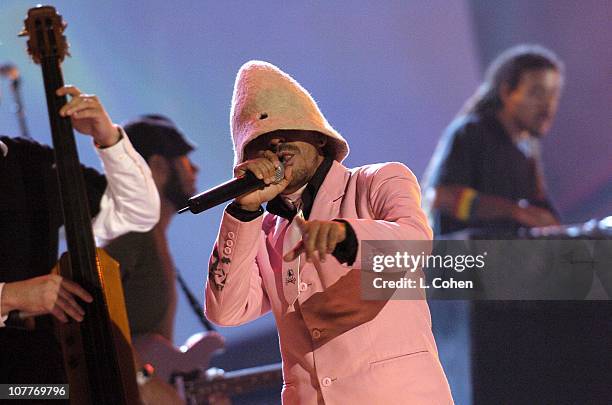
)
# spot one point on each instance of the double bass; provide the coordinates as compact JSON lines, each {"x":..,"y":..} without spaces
{"x":97,"y":353}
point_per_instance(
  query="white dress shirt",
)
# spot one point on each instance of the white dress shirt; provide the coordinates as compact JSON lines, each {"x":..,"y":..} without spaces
{"x":129,"y":203}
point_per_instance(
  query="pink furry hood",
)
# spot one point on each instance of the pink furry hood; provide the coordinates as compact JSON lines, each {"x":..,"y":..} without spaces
{"x":266,"y":99}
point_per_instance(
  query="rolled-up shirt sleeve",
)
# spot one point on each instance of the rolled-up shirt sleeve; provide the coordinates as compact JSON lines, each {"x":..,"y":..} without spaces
{"x":130,"y":201}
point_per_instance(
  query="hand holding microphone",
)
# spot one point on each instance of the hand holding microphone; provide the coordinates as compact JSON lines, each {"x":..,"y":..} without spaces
{"x":264,"y":168}
{"x":257,"y":181}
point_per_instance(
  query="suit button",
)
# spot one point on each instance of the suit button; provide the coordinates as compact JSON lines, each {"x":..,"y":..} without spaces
{"x":231,"y":235}
{"x":326,"y":382}
{"x":316,"y":333}
{"x":227,"y":250}
{"x":229,"y":243}
{"x":303,"y":287}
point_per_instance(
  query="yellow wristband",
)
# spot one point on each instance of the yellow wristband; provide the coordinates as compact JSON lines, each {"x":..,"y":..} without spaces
{"x":464,"y":205}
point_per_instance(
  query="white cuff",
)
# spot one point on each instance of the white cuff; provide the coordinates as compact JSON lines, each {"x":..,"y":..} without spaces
{"x":114,"y":152}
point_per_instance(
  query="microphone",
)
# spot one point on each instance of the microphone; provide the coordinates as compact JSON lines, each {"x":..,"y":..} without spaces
{"x":10,"y":71}
{"x":228,"y":191}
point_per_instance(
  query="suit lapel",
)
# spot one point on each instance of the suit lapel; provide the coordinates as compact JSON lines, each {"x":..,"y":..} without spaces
{"x":326,"y":205}
{"x":327,"y":202}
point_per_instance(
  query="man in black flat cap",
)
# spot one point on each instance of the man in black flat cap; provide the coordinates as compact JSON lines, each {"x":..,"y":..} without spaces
{"x":147,"y":268}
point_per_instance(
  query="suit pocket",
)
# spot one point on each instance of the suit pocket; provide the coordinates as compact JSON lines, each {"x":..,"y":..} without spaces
{"x":397,"y":358}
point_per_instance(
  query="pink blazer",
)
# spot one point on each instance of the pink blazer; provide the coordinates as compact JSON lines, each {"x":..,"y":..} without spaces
{"x":336,"y":348}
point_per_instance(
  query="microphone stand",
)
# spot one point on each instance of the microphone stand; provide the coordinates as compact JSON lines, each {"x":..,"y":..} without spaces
{"x":11,"y":72}
{"x":193,"y":302}
{"x":16,"y":86}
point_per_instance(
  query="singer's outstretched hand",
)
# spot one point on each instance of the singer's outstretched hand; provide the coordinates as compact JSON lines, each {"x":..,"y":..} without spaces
{"x":320,"y":237}
{"x":264,"y":168}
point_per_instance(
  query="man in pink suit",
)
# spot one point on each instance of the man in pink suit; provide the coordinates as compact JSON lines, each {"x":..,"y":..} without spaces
{"x":301,"y":259}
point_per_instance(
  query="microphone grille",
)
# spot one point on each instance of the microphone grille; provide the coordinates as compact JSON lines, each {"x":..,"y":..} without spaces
{"x":279,"y":174}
